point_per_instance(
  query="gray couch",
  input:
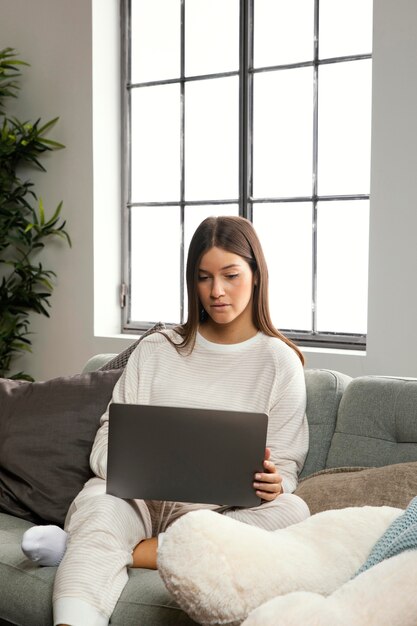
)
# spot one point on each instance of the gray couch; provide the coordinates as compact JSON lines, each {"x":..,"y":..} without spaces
{"x":368,"y":421}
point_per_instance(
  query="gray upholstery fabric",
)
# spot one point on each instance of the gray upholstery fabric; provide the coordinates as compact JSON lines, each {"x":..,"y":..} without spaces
{"x":26,"y":589}
{"x":376,"y":424}
{"x":324,"y":392}
{"x":97,"y":361}
{"x":146,"y":601}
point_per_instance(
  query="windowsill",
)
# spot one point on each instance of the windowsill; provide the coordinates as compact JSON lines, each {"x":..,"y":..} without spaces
{"x":131,"y":337}
{"x":334,"y":351}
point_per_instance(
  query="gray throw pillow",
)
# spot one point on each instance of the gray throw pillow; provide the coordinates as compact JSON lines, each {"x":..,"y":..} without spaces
{"x":46,"y":433}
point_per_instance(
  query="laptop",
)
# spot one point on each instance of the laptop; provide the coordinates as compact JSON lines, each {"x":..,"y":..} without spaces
{"x":185,"y":454}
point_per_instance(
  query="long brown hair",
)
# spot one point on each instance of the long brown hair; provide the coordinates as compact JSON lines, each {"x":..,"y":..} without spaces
{"x":237,"y":235}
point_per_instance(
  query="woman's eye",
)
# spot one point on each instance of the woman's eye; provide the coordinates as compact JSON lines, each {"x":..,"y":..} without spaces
{"x":201,"y":278}
{"x":232,"y":276}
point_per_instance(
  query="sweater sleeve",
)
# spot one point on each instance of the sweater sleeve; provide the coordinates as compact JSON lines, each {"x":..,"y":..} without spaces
{"x":125,"y":391}
{"x":288,"y":428}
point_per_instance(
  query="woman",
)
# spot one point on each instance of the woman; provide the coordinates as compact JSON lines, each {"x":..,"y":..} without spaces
{"x":227,"y":355}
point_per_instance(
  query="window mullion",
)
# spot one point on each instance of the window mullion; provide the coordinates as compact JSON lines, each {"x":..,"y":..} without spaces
{"x":125,"y":18}
{"x":182,"y":161}
{"x":315,"y":167}
{"x":245,"y":107}
{"x":249,"y":146}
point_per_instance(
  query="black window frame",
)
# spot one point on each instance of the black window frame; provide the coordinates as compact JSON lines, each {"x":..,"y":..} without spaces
{"x":246,"y":200}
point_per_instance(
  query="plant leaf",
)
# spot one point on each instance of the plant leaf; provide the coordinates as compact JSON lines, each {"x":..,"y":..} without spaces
{"x":25,"y":285}
{"x":47,"y":126}
{"x":54,"y":144}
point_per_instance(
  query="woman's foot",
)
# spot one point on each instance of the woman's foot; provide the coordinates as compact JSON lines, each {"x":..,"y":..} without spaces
{"x":45,"y":545}
{"x":145,"y":553}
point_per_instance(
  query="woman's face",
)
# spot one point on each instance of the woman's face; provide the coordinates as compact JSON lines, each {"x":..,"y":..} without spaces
{"x":225,"y":288}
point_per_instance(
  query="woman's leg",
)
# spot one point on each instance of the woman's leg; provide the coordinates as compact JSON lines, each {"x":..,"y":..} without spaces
{"x":163,"y":514}
{"x":46,"y":546}
{"x":144,"y":554}
{"x":102,"y":532}
{"x":284,"y":511}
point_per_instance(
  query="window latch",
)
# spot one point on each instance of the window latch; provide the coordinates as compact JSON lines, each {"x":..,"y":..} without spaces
{"x":123,"y":295}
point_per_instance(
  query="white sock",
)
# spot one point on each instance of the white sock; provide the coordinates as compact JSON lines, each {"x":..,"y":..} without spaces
{"x":45,"y":545}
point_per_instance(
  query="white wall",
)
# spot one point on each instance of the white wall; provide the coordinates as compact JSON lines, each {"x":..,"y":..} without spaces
{"x":55,"y":36}
{"x":392,"y":308}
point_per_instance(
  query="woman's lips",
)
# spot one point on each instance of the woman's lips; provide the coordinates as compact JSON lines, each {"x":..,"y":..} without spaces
{"x":219,"y":306}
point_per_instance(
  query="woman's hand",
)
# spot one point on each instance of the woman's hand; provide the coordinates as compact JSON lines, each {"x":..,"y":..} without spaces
{"x":268,"y":485}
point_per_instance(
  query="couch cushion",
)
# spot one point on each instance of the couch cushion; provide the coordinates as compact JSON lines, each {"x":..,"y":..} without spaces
{"x":46,"y":433}
{"x":392,"y":485}
{"x":26,"y":589}
{"x":121,"y":359}
{"x":376,"y":423}
{"x":324,"y":391}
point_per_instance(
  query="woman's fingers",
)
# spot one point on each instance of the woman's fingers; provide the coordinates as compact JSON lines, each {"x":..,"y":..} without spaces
{"x":268,"y":485}
{"x":269,"y":466}
{"x":267,"y":495}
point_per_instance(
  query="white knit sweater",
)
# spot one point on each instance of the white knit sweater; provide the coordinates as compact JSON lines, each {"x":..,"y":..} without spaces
{"x":261,"y":374}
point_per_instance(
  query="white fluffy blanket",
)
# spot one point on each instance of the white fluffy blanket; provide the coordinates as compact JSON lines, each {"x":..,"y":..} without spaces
{"x":224,"y":572}
{"x":384,"y":595}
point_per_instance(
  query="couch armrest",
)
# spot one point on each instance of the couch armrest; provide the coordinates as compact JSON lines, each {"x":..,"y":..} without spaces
{"x":97,"y":361}
{"x":325,"y":389}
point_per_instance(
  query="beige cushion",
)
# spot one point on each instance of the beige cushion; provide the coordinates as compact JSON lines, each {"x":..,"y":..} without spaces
{"x":337,"y":488}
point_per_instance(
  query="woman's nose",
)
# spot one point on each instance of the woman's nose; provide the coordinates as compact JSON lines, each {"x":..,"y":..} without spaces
{"x":217,"y":289}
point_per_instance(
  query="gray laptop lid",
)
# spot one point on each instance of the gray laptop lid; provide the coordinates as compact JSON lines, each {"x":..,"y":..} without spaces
{"x":185,"y":455}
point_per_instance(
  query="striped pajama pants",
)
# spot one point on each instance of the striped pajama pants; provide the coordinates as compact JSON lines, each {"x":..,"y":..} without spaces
{"x":103,"y":531}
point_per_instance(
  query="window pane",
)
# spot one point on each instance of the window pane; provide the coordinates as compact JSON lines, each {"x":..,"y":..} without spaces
{"x":211,"y":139}
{"x":344,"y":156}
{"x":155,"y":40}
{"x":345,"y":28}
{"x":286,"y":237}
{"x":342,"y":266}
{"x":156,"y":163}
{"x":155,"y":264}
{"x":211,"y":36}
{"x":283,"y":133}
{"x":283,"y":32}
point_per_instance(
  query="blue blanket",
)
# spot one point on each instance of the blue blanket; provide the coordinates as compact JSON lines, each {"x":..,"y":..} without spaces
{"x":400,"y":536}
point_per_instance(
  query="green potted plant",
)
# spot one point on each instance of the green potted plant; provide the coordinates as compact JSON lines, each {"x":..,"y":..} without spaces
{"x":25,"y":285}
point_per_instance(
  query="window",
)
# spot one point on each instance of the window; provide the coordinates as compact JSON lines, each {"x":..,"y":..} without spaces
{"x":260,"y":108}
